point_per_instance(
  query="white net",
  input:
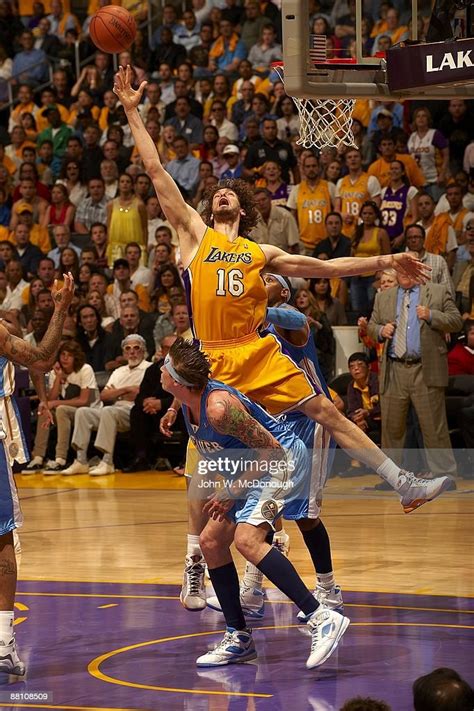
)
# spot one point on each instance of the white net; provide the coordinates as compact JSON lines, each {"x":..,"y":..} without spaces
{"x":324,"y":122}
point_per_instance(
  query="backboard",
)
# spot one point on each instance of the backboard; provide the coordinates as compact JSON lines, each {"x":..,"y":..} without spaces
{"x":426,"y":70}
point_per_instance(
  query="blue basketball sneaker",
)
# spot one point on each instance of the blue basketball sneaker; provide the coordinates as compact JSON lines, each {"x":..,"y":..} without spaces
{"x":236,"y":647}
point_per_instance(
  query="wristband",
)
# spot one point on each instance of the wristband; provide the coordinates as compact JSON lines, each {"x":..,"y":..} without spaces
{"x":171,"y":409}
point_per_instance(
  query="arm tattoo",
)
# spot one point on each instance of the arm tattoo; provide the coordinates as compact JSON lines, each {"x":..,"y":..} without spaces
{"x":26,"y":354}
{"x":238,"y":423}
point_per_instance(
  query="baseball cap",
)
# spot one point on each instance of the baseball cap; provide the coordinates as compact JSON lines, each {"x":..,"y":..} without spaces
{"x":230,"y":149}
{"x":50,"y":107}
{"x":22,"y":206}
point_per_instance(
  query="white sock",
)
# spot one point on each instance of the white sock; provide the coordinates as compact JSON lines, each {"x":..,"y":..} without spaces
{"x":61,"y":461}
{"x":193,"y":545}
{"x":389,"y":471}
{"x":6,"y":627}
{"x":326,"y":580}
{"x":253,"y":577}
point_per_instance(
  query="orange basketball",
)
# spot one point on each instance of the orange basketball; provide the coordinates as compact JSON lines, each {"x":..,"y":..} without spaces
{"x":113,"y":29}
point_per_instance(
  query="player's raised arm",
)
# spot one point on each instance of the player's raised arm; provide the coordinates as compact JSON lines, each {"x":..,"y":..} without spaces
{"x":296,"y":265}
{"x":182,"y":217}
{"x":40,"y":358}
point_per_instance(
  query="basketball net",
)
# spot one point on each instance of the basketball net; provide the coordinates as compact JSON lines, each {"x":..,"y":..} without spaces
{"x":323,"y":122}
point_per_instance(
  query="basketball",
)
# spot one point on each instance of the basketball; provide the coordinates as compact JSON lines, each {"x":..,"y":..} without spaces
{"x":113,"y":29}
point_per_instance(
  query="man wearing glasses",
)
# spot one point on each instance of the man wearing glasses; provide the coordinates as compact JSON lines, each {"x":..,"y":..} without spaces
{"x":118,"y":395}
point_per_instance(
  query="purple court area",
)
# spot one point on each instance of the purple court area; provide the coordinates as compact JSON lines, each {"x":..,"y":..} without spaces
{"x":101,"y":645}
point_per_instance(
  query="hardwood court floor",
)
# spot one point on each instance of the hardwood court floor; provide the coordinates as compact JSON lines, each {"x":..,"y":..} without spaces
{"x":100,"y":626}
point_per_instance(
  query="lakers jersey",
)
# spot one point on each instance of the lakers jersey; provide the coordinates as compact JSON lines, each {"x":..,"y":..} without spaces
{"x":225,"y":292}
{"x":352,"y":194}
{"x":312,"y":206}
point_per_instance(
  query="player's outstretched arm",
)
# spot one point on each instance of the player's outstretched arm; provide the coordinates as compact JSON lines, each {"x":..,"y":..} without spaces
{"x":296,"y":265}
{"x":187,"y":222}
{"x":40,"y":358}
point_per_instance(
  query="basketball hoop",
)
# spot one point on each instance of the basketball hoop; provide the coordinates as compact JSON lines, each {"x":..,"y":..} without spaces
{"x":323,"y":122}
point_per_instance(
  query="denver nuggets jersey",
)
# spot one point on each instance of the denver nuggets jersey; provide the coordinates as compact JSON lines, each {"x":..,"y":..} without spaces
{"x":226,"y":294}
{"x":7,"y":377}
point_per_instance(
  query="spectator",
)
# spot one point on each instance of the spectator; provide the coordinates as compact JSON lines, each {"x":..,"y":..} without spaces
{"x":25,"y":104}
{"x":30,"y":255}
{"x":456,"y":125}
{"x":288,"y":123}
{"x":363,"y":405}
{"x":93,"y":339}
{"x":166,"y":278}
{"x":224,"y":126}
{"x":271,"y":148}
{"x":62,"y":21}
{"x":45,"y":40}
{"x":369,"y":241}
{"x":58,"y":132}
{"x":442,"y":690}
{"x":71,"y":178}
{"x":122,"y":282}
{"x":266,"y":50}
{"x":169,"y":21}
{"x":100,"y":241}
{"x":30,"y":64}
{"x":461,"y":357}
{"x":97,"y":300}
{"x":252,"y":25}
{"x":336,"y":244}
{"x":152,"y":101}
{"x":228,"y":49}
{"x":167,"y":51}
{"x":464,"y":277}
{"x":320,"y":330}
{"x":74,"y":387}
{"x":186,"y":125}
{"x":327,"y":303}
{"x":187,"y":34}
{"x":425,"y":145}
{"x":62,"y":237}
{"x":126,"y":219}
{"x":61,"y":210}
{"x":412,"y":320}
{"x":440,"y":234}
{"x":7,"y":253}
{"x":15,"y":287}
{"x":184,"y":169}
{"x":139,"y":275}
{"x":29,"y":200}
{"x":109,"y":174}
{"x":398,"y":205}
{"x":353,"y":190}
{"x":457,"y":215}
{"x":278,"y":189}
{"x":234,"y":168}
{"x":120,"y":390}
{"x":130,"y":322}
{"x":381,"y":167}
{"x":276,"y":225}
{"x":39,"y":236}
{"x":39,"y":325}
{"x":92,"y":209}
{"x":310,"y":202}
{"x":415,"y":239}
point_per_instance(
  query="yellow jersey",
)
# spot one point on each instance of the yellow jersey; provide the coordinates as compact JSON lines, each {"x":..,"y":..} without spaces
{"x":352,"y":196}
{"x":226,"y":295}
{"x":312,"y":206}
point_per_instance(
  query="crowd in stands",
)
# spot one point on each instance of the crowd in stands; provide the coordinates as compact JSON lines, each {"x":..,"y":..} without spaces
{"x":74,"y":196}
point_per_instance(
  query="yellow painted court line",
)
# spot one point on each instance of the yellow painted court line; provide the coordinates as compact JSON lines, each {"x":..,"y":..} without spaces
{"x":21,"y":606}
{"x":94,"y":670}
{"x":95,"y":595}
{"x":104,"y":607}
{"x":386,"y":607}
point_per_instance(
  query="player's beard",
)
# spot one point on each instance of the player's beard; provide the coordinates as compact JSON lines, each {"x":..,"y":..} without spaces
{"x":226,"y":213}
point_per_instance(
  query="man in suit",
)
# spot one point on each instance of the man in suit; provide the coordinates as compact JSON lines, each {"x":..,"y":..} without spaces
{"x":412,"y":321}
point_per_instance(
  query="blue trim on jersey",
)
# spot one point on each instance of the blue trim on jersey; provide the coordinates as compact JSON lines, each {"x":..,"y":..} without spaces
{"x":7,"y":519}
{"x":3,"y":365}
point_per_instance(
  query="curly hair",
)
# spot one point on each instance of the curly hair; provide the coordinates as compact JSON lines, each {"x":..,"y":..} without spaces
{"x":73,"y":348}
{"x":190,"y":363}
{"x":245,"y":195}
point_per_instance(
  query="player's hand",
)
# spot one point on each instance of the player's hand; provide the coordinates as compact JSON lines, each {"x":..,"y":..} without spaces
{"x":45,"y":413}
{"x":167,"y":422}
{"x":409,"y":266}
{"x":388,"y":330}
{"x":62,"y":297}
{"x":217,"y":507}
{"x":129,"y":97}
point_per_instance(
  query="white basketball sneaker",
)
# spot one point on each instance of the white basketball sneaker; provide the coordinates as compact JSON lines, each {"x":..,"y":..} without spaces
{"x":251,"y":599}
{"x":332,"y":599}
{"x":281,"y":541}
{"x":10,"y":662}
{"x":415,"y":492}
{"x":193,"y":592}
{"x":327,"y":628}
{"x":236,"y":647}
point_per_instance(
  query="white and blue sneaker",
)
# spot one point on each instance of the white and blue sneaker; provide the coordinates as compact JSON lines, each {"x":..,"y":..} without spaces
{"x":331,"y":599}
{"x":10,"y":662}
{"x":237,"y":647}
{"x":415,"y":492}
{"x":327,"y":628}
{"x":251,"y":599}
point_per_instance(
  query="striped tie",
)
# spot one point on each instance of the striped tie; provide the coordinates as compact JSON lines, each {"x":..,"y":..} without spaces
{"x":400,"y":347}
